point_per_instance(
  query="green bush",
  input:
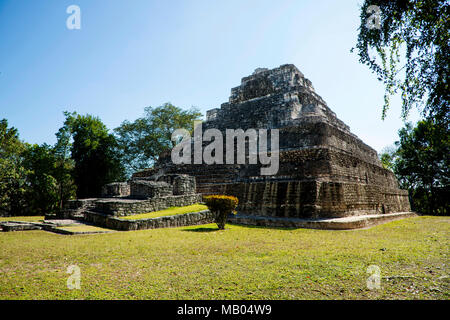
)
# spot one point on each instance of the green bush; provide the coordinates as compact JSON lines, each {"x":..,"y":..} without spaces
{"x":222,"y":206}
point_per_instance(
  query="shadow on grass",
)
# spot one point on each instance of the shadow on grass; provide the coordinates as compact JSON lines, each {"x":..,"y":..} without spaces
{"x":202,"y":229}
{"x":263,"y":227}
{"x":211,"y":229}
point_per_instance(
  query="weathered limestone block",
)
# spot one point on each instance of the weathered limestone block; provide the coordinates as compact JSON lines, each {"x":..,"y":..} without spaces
{"x":19,"y":226}
{"x":140,"y":189}
{"x":181,"y":183}
{"x":212,"y":114}
{"x":184,"y":184}
{"x":116,"y":189}
{"x":188,"y":219}
{"x":126,"y":207}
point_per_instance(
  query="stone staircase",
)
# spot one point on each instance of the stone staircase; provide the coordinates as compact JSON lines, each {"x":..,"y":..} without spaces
{"x":74,"y":210}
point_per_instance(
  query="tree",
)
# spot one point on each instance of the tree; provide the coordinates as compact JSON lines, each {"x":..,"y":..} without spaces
{"x":12,"y":172}
{"x":94,"y":151}
{"x":142,"y":141}
{"x":422,"y":164}
{"x":222,"y":206}
{"x":65,"y":164}
{"x":418,"y":30}
{"x":41,"y":187}
{"x":387,"y":157}
{"x":27,"y":175}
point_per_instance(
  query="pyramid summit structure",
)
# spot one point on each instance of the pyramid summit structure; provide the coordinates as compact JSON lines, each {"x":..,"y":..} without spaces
{"x":325,"y":171}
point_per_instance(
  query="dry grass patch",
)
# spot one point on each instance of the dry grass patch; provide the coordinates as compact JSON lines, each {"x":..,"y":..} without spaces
{"x":83,"y":228}
{"x":23,"y":218}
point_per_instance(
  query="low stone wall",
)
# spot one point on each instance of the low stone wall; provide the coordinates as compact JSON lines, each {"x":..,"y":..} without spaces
{"x":79,"y":203}
{"x":19,"y":226}
{"x":188,"y":219}
{"x":126,"y":207}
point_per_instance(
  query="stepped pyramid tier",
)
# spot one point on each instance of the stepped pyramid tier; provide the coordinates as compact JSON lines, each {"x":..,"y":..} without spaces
{"x":324,"y":169}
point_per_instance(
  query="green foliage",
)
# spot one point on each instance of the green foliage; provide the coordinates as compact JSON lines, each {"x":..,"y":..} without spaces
{"x":142,"y":141}
{"x":29,"y":181}
{"x":387,"y":158}
{"x":418,"y":29}
{"x":410,"y":53}
{"x":12,"y":172}
{"x":94,"y":152}
{"x":386,"y":161}
{"x":65,"y":164}
{"x":422,"y":165}
{"x":221,"y":205}
{"x":42,"y":188}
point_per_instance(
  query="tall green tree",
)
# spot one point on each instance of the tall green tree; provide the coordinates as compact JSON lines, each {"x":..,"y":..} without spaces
{"x":387,"y":157}
{"x":12,"y":172}
{"x":406,"y":44}
{"x":65,"y":165}
{"x":94,"y":151}
{"x":41,"y":186}
{"x":422,"y":165}
{"x":27,"y":175}
{"x":143,"y":140}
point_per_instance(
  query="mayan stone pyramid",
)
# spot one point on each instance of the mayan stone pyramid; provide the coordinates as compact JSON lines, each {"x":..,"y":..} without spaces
{"x":324,"y":169}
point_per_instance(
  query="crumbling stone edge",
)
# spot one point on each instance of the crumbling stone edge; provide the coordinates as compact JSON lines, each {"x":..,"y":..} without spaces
{"x":347,"y":223}
{"x":180,"y":220}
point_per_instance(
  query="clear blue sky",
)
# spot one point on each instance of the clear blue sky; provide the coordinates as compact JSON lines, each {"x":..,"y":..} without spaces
{"x":132,"y":54}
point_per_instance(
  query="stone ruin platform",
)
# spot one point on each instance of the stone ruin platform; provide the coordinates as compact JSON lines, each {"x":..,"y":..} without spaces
{"x":137,"y":196}
{"x":61,"y":226}
{"x":14,"y":225}
{"x":325,"y":171}
{"x":179,"y":220}
{"x":104,"y":224}
{"x":346,"y":223}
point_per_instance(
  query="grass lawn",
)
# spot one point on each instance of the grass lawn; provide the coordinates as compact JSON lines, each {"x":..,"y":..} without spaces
{"x":23,"y":218}
{"x":168,"y":212}
{"x":240,"y":262}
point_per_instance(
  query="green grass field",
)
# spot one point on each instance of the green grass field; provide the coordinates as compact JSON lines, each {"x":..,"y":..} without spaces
{"x":240,"y":262}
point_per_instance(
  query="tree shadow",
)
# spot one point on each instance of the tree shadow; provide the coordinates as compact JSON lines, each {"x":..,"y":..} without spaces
{"x":202,"y":229}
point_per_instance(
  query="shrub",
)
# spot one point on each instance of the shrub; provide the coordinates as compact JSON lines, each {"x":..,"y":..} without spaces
{"x":222,"y":206}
